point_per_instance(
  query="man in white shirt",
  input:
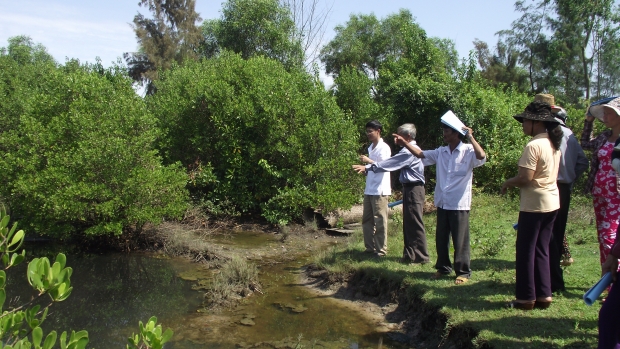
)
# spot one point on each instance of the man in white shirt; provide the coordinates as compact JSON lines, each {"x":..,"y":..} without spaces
{"x":455,"y":164}
{"x":412,"y":179}
{"x":376,"y":194}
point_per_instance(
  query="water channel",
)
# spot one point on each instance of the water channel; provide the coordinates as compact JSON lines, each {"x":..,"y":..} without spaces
{"x":112,"y":292}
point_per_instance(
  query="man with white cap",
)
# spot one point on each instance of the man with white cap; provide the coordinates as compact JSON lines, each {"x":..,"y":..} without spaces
{"x":573,"y":163}
{"x":455,"y":164}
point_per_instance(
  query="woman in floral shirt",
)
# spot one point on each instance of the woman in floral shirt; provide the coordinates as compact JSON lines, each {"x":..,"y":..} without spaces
{"x":603,"y":181}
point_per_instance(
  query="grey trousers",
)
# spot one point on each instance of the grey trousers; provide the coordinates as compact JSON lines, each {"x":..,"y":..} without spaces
{"x":375,"y":223}
{"x":414,"y":235}
{"x":453,"y":223}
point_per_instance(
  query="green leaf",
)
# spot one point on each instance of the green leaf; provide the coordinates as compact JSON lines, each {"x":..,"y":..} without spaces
{"x":18,"y":239}
{"x":50,"y":340}
{"x":167,"y":336}
{"x":16,"y":259}
{"x":37,"y":336}
{"x":2,"y":298}
{"x":63,"y":340}
{"x":4,"y":222}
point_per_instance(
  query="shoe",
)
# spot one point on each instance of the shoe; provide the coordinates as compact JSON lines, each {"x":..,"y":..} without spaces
{"x":566,"y":262}
{"x":437,"y":275}
{"x":520,"y":305}
{"x":542,"y":304}
{"x":408,"y":261}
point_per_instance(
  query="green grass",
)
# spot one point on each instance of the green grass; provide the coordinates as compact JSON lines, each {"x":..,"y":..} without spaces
{"x":480,"y":302}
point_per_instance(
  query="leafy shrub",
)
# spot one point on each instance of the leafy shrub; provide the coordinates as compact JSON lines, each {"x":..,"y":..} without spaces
{"x":78,"y":151}
{"x":265,"y":139}
{"x":20,"y":326}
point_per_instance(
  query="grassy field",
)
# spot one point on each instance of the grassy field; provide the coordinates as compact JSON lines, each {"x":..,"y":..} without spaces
{"x":480,"y":302}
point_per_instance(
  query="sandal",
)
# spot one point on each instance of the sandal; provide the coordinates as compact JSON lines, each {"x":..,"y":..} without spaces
{"x":515,"y":304}
{"x":460,"y":280}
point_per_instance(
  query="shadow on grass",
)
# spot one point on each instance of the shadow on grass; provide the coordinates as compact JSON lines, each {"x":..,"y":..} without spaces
{"x":492,"y":264}
{"x":425,"y":305}
{"x":535,"y":332}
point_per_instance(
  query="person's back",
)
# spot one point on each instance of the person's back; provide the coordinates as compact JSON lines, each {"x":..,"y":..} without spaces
{"x":541,"y":195}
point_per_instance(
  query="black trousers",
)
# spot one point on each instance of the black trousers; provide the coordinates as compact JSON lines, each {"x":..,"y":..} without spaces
{"x":414,"y":234}
{"x":557,"y":238}
{"x":453,"y":223}
{"x":532,"y":257}
{"x":609,"y":319}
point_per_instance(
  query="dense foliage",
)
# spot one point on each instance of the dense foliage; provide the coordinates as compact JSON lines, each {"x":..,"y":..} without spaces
{"x":78,"y":156}
{"x":254,"y":131}
{"x":256,"y":136}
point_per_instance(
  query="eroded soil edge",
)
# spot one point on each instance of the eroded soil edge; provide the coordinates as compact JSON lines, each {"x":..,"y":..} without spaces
{"x":406,"y":317}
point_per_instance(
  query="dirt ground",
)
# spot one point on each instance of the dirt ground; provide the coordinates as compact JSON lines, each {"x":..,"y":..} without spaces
{"x":380,"y":312}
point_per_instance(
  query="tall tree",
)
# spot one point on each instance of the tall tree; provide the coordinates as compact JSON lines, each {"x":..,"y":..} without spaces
{"x":359,"y":44}
{"x":254,"y":28}
{"x":567,"y":46}
{"x":366,"y":43}
{"x":582,"y":24}
{"x":170,"y":36}
{"x":23,"y":50}
{"x":608,"y":65}
{"x":527,"y":36}
{"x":501,"y":67}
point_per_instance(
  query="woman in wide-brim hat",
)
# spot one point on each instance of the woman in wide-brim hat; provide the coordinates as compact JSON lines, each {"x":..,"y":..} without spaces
{"x":603,"y":182}
{"x":540,"y":201}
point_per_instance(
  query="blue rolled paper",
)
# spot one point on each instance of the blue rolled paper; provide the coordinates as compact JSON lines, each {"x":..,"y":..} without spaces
{"x":395,"y":203}
{"x":591,"y":296}
{"x":515,"y":226}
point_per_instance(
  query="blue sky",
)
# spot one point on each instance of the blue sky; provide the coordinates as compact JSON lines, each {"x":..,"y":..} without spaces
{"x":87,"y":29}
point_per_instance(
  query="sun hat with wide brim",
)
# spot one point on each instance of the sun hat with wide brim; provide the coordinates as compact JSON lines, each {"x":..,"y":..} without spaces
{"x":537,"y":111}
{"x":597,"y":109}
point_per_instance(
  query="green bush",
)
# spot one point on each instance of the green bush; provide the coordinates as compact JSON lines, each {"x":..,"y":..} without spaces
{"x":78,"y":151}
{"x":265,"y":139}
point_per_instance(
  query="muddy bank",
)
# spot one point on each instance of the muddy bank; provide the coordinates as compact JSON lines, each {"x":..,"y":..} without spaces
{"x":397,"y":311}
{"x":405,"y":316}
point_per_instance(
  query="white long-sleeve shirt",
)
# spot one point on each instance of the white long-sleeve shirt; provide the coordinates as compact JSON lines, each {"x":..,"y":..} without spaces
{"x":454,"y":175}
{"x":378,"y":183}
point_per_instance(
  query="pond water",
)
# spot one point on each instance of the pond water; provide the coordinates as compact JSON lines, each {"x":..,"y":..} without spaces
{"x":112,"y":292}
